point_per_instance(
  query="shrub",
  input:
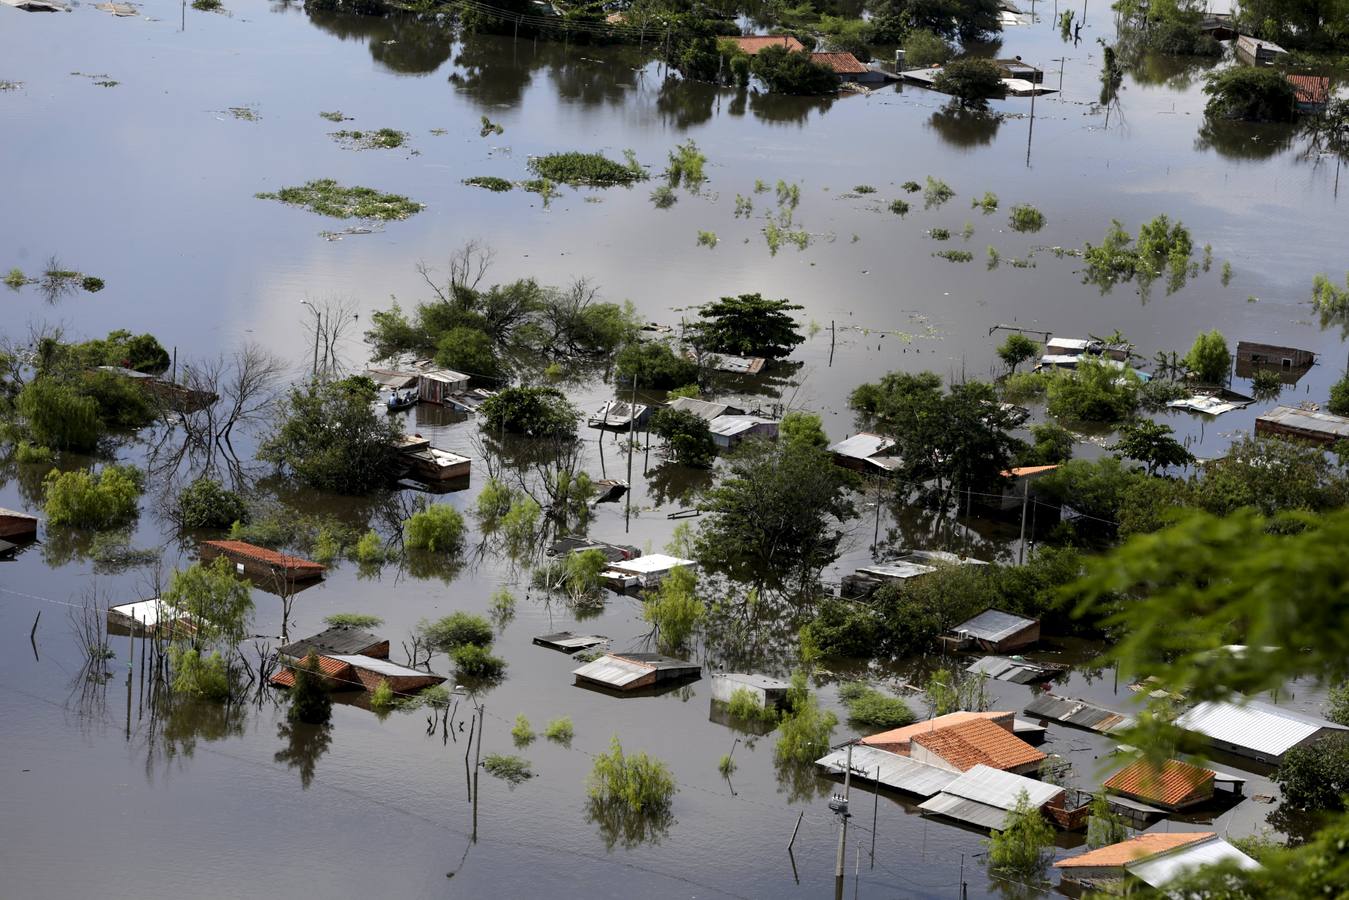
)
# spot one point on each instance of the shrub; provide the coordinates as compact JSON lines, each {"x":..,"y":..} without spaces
{"x":32,"y":454}
{"x":675,"y":608}
{"x":1316,"y":777}
{"x":1339,"y":396}
{"x":369,"y":550}
{"x":686,"y":167}
{"x":85,"y":499}
{"x":592,"y":169}
{"x":1209,"y":358}
{"x":687,"y":437}
{"x":840,"y":628}
{"x":58,"y":416}
{"x":438,"y":529}
{"x":922,"y":49}
{"x":489,"y":182}
{"x":663,"y":197}
{"x":655,"y":364}
{"x":1255,"y":94}
{"x":381,"y":698}
{"x":745,"y":705}
{"x":988,"y":203}
{"x":936,"y":193}
{"x":1094,"y":392}
{"x":1026,"y":218}
{"x":535,"y":411}
{"x":456,"y":630}
{"x":899,"y":207}
{"x":869,"y":708}
{"x":972,"y":81}
{"x":207,"y":678}
{"x":91,"y":283}
{"x":328,"y":198}
{"x":805,"y":729}
{"x":207,"y":504}
{"x":560,"y":731}
{"x":510,"y":769}
{"x":635,"y":782}
{"x":522,"y":732}
{"x":1023,"y":846}
{"x":864,"y":189}
{"x":352,"y":620}
{"x":726,"y":766}
{"x":788,"y":72}
{"x":961,"y":256}
{"x":309,"y":700}
{"x":1017,"y":349}
{"x":940,"y":234}
{"x":473,"y":661}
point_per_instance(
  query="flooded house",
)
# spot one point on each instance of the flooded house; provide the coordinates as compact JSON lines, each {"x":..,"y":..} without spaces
{"x":752,"y":44}
{"x":142,"y":617}
{"x":1077,"y":713}
{"x":1258,"y":52}
{"x":769,"y":693}
{"x":1290,"y":362}
{"x":867,"y":453}
{"x":569,"y":642}
{"x":1018,"y":488}
{"x":340,"y":640}
{"x":432,"y":464}
{"x":1014,"y":669}
{"x":1107,"y":864}
{"x":612,"y":552}
{"x":438,"y":385}
{"x":1311,"y":93}
{"x":729,"y":431}
{"x":890,"y":770}
{"x":356,"y":672}
{"x":642,"y":572}
{"x":1307,"y":424}
{"x":1160,"y":869}
{"x":995,"y":631}
{"x":707,"y":410}
{"x":906,"y":566}
{"x":975,"y":742}
{"x":17,"y":526}
{"x":982,"y":797}
{"x":848,"y":68}
{"x":1171,"y":786}
{"x":620,"y":415}
{"x":1256,"y":730}
{"x":262,"y":563}
{"x":635,"y":671}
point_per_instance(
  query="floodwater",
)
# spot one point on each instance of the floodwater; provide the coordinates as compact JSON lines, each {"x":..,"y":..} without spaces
{"x":150,"y":185}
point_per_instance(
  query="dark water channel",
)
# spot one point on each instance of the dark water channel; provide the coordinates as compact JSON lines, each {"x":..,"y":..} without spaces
{"x":149,"y":184}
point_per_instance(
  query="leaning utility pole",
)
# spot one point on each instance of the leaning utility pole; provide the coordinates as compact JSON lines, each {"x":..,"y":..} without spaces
{"x":840,"y":806}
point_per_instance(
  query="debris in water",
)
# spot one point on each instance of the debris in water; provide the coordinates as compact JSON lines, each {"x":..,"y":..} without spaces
{"x":10,"y":85}
{"x":351,"y":229}
{"x":380,"y":139}
{"x":118,"y":9}
{"x":246,"y":113}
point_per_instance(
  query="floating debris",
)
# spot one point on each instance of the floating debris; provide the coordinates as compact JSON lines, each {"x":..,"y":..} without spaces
{"x":10,"y":85}
{"x":379,"y":139}
{"x":246,"y":113}
{"x":122,"y":9}
{"x":335,"y":116}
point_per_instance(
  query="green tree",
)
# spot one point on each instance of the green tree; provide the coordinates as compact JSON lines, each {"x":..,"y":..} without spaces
{"x":941,"y":692}
{"x":1023,"y":847}
{"x":215,"y":600}
{"x":792,"y":72}
{"x":803,"y":428}
{"x":455,"y":630}
{"x":535,"y":411}
{"x":1017,"y":349}
{"x":1316,"y":777}
{"x":1053,"y":444}
{"x":1209,"y":358}
{"x":973,"y":81}
{"x":1103,"y":826}
{"x":86,"y":499}
{"x":655,"y":364}
{"x":1093,"y":487}
{"x":748,"y":325}
{"x":840,"y":628}
{"x":208,"y":504}
{"x":1254,"y":94}
{"x":439,"y":528}
{"x":1093,"y":392}
{"x":58,"y":416}
{"x":675,"y":609}
{"x":1270,"y":475}
{"x":1152,"y":445}
{"x":330,"y":437}
{"x":687,"y":437}
{"x":634,"y":781}
{"x":803,"y":736}
{"x":309,"y":700}
{"x":775,"y":520}
{"x":1337,"y":707}
{"x":470,"y":351}
{"x":1339,"y":396}
{"x":869,"y":708}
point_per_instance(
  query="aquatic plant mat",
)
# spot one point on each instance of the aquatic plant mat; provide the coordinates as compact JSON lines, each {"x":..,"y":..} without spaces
{"x":328,"y":198}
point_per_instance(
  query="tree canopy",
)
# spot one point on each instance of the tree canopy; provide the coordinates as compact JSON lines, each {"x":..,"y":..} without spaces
{"x":973,"y":81}
{"x":1255,"y":94}
{"x":792,"y":72}
{"x":747,"y":325}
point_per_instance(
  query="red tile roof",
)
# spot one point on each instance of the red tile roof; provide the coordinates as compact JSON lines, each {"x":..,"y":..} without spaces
{"x":977,"y":741}
{"x":1310,"y":88}
{"x":1021,"y":471}
{"x":263,"y":555}
{"x":906,"y":734}
{"x":1134,"y":849}
{"x":1174,"y":782}
{"x":754,"y":43}
{"x":842,"y":63}
{"x":330,"y":668}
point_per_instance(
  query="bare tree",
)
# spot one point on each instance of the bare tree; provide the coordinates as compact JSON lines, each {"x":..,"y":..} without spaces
{"x":333,"y":318}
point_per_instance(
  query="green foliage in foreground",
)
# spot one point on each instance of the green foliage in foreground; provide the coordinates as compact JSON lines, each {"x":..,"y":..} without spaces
{"x":87,"y":499}
{"x":328,"y":198}
{"x":591,"y":169}
{"x":1316,"y":777}
{"x":1024,"y":846}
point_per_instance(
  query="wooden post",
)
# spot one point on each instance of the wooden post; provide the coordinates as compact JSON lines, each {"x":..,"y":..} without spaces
{"x":833,"y":334}
{"x":795,"y":830}
{"x":632,"y":436}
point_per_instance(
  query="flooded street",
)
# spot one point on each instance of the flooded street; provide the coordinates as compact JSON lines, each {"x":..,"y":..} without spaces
{"x":150,"y":184}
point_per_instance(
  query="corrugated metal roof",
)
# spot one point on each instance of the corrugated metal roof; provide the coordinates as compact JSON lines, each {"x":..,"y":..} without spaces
{"x":703,"y":409}
{"x":971,"y":811}
{"x":897,"y":772}
{"x":730,"y":426}
{"x":899,"y":569}
{"x":612,"y":670}
{"x":147,"y":612}
{"x":997,"y":788}
{"x":566,"y":640}
{"x":761,"y":682}
{"x":658,"y":661}
{"x":381,"y":666}
{"x":647,"y":565}
{"x":1134,"y":850}
{"x":339,"y":639}
{"x":1262,"y":727}
{"x":1306,"y":420}
{"x":994,"y":625}
{"x":862,"y":445}
{"x":1163,"y":868}
{"x":1017,"y":671}
{"x":1077,"y":712}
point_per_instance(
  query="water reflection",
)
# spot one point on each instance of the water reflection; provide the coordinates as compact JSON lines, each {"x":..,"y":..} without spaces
{"x":782,"y":109}
{"x":1244,"y":140}
{"x":800,"y":781}
{"x":187,"y":720}
{"x":304,"y":744}
{"x":621,"y":826}
{"x":402,"y":43}
{"x":672,"y":484}
{"x":1176,"y":73}
{"x":685,"y":103}
{"x":965,"y":128}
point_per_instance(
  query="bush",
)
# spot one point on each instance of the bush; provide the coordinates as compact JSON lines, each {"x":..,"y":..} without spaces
{"x":746,"y":706}
{"x":804,"y":733}
{"x":207,"y":504}
{"x":675,"y":608}
{"x":1339,"y":396}
{"x":1017,"y":349}
{"x":198,"y":677}
{"x":1251,"y":93}
{"x":438,"y":529}
{"x":899,"y":207}
{"x":473,"y":661}
{"x":309,"y":700}
{"x":560,"y":731}
{"x":535,"y":411}
{"x":91,"y":283}
{"x":31,"y":454}
{"x":840,"y":628}
{"x":58,"y":416}
{"x":522,"y":732}
{"x":1024,"y":845}
{"x":655,"y":364}
{"x":869,"y":708}
{"x":469,"y":350}
{"x":788,"y":72}
{"x":510,"y":769}
{"x":381,"y":698}
{"x":1209,"y":358}
{"x":369,"y":550}
{"x":456,"y":630}
{"x":592,"y":169}
{"x":489,"y":182}
{"x":634,"y":782}
{"x":1094,"y":392}
{"x":1026,"y":218}
{"x":936,"y":193}
{"x":687,"y":437}
{"x":352,"y":620}
{"x":923,"y":48}
{"x":972,"y":81}
{"x":85,"y":499}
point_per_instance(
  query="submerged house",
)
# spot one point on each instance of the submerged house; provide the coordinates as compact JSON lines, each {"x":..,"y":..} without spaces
{"x":1108,"y":863}
{"x":1018,"y":487}
{"x":634,"y":671}
{"x":707,"y":410}
{"x":983,"y":796}
{"x":1312,"y":425}
{"x":1259,"y":731}
{"x":976,"y":742}
{"x":152,"y":616}
{"x":847,"y":67}
{"x":358,"y":672}
{"x":1258,"y":52}
{"x":1160,"y":869}
{"x":260,"y":562}
{"x":1077,"y":713}
{"x":642,"y":571}
{"x":866,"y":452}
{"x":340,"y":639}
{"x":729,"y":431}
{"x":1290,"y":362}
{"x":619,"y":414}
{"x":1171,"y":786}
{"x":907,"y":566}
{"x":612,"y":552}
{"x":770,"y":693}
{"x":898,"y":773}
{"x":427,"y":463}
{"x":995,"y":631}
{"x":17,"y":526}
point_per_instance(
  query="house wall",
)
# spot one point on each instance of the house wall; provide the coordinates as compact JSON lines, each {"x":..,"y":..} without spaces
{"x":919,"y":753}
{"x":17,"y":527}
{"x":1023,"y":638}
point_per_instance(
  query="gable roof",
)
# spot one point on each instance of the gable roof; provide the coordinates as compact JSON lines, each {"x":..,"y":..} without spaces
{"x":979,"y":742}
{"x":265,"y":556}
{"x":863,"y":445}
{"x":756,"y":42}
{"x":994,"y":625}
{"x":1133,"y":850}
{"x":907,"y":733}
{"x":993,"y":787}
{"x":1162,"y":868}
{"x":328,"y":667}
{"x":1170,"y":784}
{"x":1310,"y":88}
{"x":841,"y":63}
{"x":338,"y":639}
{"x":1258,"y":726}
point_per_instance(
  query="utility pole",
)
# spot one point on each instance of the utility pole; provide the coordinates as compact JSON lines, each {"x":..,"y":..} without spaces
{"x":1025,"y":497}
{"x":632,"y":436}
{"x":842,"y":810}
{"x":1031,"y":131}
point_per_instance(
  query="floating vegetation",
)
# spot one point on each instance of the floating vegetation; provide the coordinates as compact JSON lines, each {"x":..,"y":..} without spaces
{"x":1226,"y":274}
{"x":335,"y":116}
{"x":522,"y":732}
{"x":56,"y":280}
{"x":744,"y":206}
{"x":16,"y":279}
{"x":1330,"y":300}
{"x":759,"y":186}
{"x":940,"y":234}
{"x":10,"y":85}
{"x":1022,"y":263}
{"x":993,"y":257}
{"x":511,"y":769}
{"x":491,"y":182}
{"x":107,"y":83}
{"x":686,"y":167}
{"x":664,"y":197}
{"x":1027,"y":218}
{"x":591,"y":169}
{"x":726,"y":766}
{"x":955,"y":255}
{"x":936,"y":193}
{"x":541,"y":186}
{"x":1161,"y":245}
{"x":968,"y":231}
{"x":246,"y":113}
{"x":207,"y":5}
{"x":103,"y":80}
{"x":912,"y":187}
{"x":560,"y":731}
{"x":789,"y":195}
{"x":1208,"y":258}
{"x":707,"y":239}
{"x":328,"y":198}
{"x":864,"y":189}
{"x":988,"y":203}
{"x":775,"y":235}
{"x":490,"y":127}
{"x":380,"y":139}
{"x":91,"y":283}
{"x":899,"y":207}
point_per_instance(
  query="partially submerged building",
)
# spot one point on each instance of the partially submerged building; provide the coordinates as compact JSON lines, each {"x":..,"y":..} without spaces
{"x":729,"y":431}
{"x":848,"y":68}
{"x":983,"y":796}
{"x":569,"y":642}
{"x":994,"y":631}
{"x":1014,"y":669}
{"x":152,"y":616}
{"x":1290,"y":362}
{"x":905,"y":567}
{"x":612,"y":552}
{"x":338,"y":640}
{"x":1108,"y":863}
{"x":1258,"y":52}
{"x":899,"y":773}
{"x":642,"y":572}
{"x":432,"y":464}
{"x":977,"y":742}
{"x":1311,"y":425}
{"x":752,"y":44}
{"x":1077,"y":713}
{"x":1160,"y":869}
{"x":1018,"y":487}
{"x":867,"y":453}
{"x":357,"y":672}
{"x":1256,"y":730}
{"x":899,"y":740}
{"x":707,"y":410}
{"x":1173,"y":785}
{"x":635,"y":671}
{"x":620,"y":415}
{"x":259,"y":562}
{"x":17,"y":526}
{"x":769,"y":693}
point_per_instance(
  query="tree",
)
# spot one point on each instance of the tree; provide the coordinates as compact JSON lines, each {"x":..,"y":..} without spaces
{"x":58,"y":416}
{"x":1151,"y":444}
{"x":674,"y":608}
{"x":775,"y":519}
{"x":967,"y":19}
{"x":439,"y":528}
{"x":1103,"y":826}
{"x":1339,"y":396}
{"x":456,"y":630}
{"x":1017,"y":349}
{"x":1053,"y":445}
{"x":86,"y":499}
{"x":792,"y":72}
{"x":207,"y":504}
{"x":1092,"y":487}
{"x":309,"y":700}
{"x":688,"y":440}
{"x":1270,"y":475}
{"x":470,"y":351}
{"x":1316,"y":777}
{"x":1337,"y":709}
{"x":1024,"y":846}
{"x":535,"y":411}
{"x":1313,"y":24}
{"x":330,"y":437}
{"x":941,"y":693}
{"x":1093,"y":392}
{"x":1253,"y":94}
{"x":973,"y":81}
{"x":655,"y":364}
{"x":803,"y":736}
{"x":803,"y":428}
{"x":1209,"y":358}
{"x":747,"y":325}
{"x":218,"y":604}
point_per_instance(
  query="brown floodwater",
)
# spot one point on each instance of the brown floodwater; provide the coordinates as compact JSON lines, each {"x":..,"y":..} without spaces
{"x":150,"y":183}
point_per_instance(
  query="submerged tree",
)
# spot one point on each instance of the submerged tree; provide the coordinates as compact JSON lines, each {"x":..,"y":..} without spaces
{"x":747,"y":325}
{"x":1023,"y":847}
{"x":310,"y":703}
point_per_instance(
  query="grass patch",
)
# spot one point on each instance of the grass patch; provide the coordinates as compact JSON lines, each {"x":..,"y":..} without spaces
{"x":726,"y":766}
{"x":16,"y":279}
{"x":379,"y":139}
{"x":511,"y":769}
{"x":591,"y":169}
{"x":963,"y":256}
{"x":994,"y":257}
{"x":968,"y":231}
{"x":246,"y":113}
{"x":490,"y":182}
{"x":869,"y":708}
{"x":1027,"y":218}
{"x":988,"y":203}
{"x":912,"y":187}
{"x":328,"y":198}
{"x":335,"y":116}
{"x":899,"y":207}
{"x":744,"y":206}
{"x":936,"y":193}
{"x":91,"y":283}
{"x":864,"y":189}
{"x":940,"y":234}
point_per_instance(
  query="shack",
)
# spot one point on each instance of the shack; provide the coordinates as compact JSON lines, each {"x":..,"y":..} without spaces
{"x":769,"y":693}
{"x":1078,"y":713}
{"x":983,"y":796}
{"x":1254,"y":729}
{"x":1014,"y":669}
{"x":994,"y":631}
{"x":1161,"y":869}
{"x":17,"y":526}
{"x":434,"y":464}
{"x":567,"y":642}
{"x":436,"y":385}
{"x":1019,"y":69}
{"x":905,"y":567}
{"x":141,"y":617}
{"x":1107,"y":863}
{"x":620,"y":415}
{"x":729,"y":431}
{"x":1258,"y":52}
{"x":1290,"y":362}
{"x":847,"y":67}
{"x":1311,"y":92}
{"x":340,"y":639}
{"x":634,"y":671}
{"x":259,"y":562}
{"x":1312,"y":425}
{"x":357,"y":672}
{"x":707,"y":410}
{"x":899,"y":773}
{"x":642,"y":572}
{"x":964,"y":745}
{"x":867,"y":453}
{"x":1171,"y":786}
{"x":612,"y":552}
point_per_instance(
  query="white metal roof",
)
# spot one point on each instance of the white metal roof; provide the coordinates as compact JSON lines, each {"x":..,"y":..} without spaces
{"x":971,"y":811}
{"x":994,"y":625}
{"x":728,"y":426}
{"x":994,"y":787}
{"x":647,"y":565}
{"x":762,"y":682}
{"x":613,"y":670}
{"x":147,"y":612}
{"x":899,"y":569}
{"x":703,"y":409}
{"x":1204,"y":404}
{"x":382,"y":666}
{"x":1262,"y":727}
{"x":1063,"y":345}
{"x":862,"y":445}
{"x":1164,"y":868}
{"x":898,"y":772}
